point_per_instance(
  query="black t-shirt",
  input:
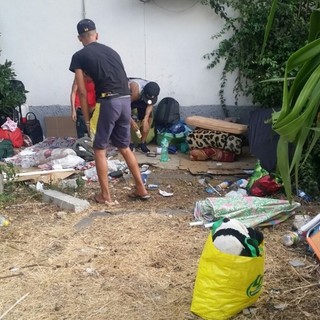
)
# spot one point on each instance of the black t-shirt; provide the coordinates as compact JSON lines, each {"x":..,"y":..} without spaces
{"x":104,"y":66}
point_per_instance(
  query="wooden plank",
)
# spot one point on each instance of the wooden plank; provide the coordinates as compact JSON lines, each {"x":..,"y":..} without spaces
{"x":216,"y":124}
{"x":48,"y":176}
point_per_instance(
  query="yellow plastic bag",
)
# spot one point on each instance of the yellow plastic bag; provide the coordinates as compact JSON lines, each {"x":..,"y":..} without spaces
{"x":226,"y":284}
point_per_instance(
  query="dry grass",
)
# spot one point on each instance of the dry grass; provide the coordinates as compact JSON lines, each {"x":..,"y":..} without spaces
{"x":138,"y":261}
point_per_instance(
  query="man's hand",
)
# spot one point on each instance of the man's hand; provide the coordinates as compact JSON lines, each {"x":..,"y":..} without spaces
{"x":74,"y":116}
{"x":88,"y":127}
{"x":134,"y":125}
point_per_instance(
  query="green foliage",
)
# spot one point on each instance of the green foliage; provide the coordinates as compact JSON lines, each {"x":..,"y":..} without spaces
{"x":12,"y":93}
{"x":298,"y":121}
{"x":241,"y":52}
{"x":9,"y":172}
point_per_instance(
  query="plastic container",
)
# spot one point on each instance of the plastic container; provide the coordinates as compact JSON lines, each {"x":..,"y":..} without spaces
{"x":4,"y":222}
{"x":291,"y":238}
{"x":223,"y":185}
{"x":138,"y":133}
{"x":301,"y":194}
{"x":310,"y":224}
{"x":241,"y":183}
{"x":164,"y":157}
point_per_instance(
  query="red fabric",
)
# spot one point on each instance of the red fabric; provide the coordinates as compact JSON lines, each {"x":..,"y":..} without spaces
{"x":265,"y":186}
{"x":15,"y":137}
{"x":91,"y":95}
{"x":213,"y":154}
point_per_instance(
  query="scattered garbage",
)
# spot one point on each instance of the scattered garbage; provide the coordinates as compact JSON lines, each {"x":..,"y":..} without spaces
{"x":152,"y":186}
{"x":4,"y":222}
{"x":91,"y":174}
{"x":305,"y":232}
{"x":291,"y":238}
{"x":299,"y":220}
{"x":297,"y":263}
{"x":301,"y":194}
{"x":165,"y":193}
{"x":144,"y":178}
{"x":241,"y":183}
{"x":237,"y":193}
{"x":164,"y":157}
{"x":223,"y":185}
{"x":309,"y":225}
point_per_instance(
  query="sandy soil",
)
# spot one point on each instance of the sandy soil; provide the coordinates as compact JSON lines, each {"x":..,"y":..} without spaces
{"x":136,"y":261}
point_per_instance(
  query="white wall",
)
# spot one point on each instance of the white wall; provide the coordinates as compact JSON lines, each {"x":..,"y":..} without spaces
{"x":161,"y":40}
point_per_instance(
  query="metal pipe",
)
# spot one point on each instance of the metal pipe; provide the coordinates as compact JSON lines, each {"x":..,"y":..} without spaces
{"x":83,"y":9}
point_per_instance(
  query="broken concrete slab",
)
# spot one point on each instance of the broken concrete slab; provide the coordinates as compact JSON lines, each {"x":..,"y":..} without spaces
{"x":65,"y":201}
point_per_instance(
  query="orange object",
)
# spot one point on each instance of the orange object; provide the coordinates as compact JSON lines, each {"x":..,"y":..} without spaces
{"x":314,"y":239}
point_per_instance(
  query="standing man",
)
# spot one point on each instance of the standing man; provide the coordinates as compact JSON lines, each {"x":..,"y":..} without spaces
{"x":111,"y":118}
{"x":144,"y":94}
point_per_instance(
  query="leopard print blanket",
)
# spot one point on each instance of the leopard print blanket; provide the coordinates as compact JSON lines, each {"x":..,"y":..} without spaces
{"x":203,"y":138}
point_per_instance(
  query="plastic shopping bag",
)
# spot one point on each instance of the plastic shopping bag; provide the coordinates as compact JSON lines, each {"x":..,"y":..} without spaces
{"x":226,"y":284}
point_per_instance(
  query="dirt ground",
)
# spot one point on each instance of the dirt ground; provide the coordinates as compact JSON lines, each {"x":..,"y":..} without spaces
{"x":136,"y":261}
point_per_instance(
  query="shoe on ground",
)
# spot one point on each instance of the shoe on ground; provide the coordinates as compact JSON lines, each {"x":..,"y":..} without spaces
{"x":132,"y":146}
{"x":144,"y":147}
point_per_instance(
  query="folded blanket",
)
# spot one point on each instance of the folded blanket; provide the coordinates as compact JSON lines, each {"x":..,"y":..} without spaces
{"x":212,"y":154}
{"x":202,"y":138}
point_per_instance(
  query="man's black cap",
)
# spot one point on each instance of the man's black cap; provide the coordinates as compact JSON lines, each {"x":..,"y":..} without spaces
{"x":150,"y":93}
{"x":85,"y":25}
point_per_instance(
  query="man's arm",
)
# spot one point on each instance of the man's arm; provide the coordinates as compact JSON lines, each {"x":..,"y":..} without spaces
{"x":79,"y":77}
{"x":146,"y":123}
{"x":73,"y":99}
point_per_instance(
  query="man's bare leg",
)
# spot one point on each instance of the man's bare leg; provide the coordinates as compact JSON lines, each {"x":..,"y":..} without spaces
{"x":102,"y":172}
{"x":133,"y":166}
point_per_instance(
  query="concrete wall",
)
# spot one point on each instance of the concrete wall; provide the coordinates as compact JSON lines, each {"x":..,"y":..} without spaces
{"x":160,"y":40}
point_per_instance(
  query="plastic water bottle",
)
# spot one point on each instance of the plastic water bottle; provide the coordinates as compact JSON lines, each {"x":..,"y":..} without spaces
{"x":138,"y":133}
{"x":301,"y":194}
{"x":164,"y":157}
{"x":223,"y":185}
{"x":4,"y":222}
{"x":290,"y":239}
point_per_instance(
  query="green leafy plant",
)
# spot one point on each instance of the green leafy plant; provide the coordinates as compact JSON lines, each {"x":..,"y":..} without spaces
{"x":12,"y":91}
{"x":298,"y":121}
{"x":245,"y":22}
{"x":7,"y":175}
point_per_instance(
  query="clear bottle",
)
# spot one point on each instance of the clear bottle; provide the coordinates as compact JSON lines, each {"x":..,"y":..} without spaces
{"x":4,"y":222}
{"x":291,"y":238}
{"x":301,"y":194}
{"x":138,"y":133}
{"x":164,"y":157}
{"x":223,"y":185}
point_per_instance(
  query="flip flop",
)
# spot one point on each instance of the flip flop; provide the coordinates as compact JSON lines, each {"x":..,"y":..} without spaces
{"x":106,"y":202}
{"x":151,"y":154}
{"x":135,"y":196}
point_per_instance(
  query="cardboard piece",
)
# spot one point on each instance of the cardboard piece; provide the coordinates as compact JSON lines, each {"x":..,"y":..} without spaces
{"x":216,"y":124}
{"x":60,"y":126}
{"x":48,"y":176}
{"x":245,"y":162}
